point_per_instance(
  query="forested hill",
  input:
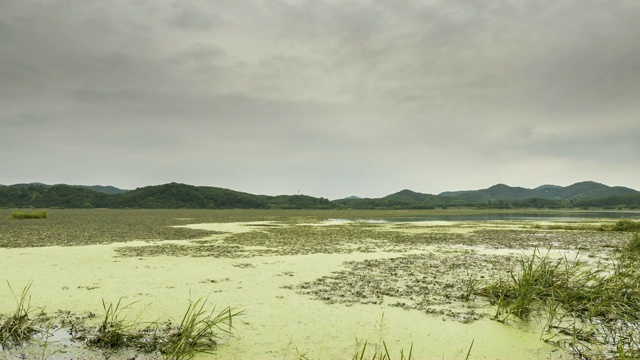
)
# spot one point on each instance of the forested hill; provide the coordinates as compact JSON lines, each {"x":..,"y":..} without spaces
{"x":581,"y":190}
{"x":172,"y":196}
{"x":99,"y":188}
{"x":167,"y":196}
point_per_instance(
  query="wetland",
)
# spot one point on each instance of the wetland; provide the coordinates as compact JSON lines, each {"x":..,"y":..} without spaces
{"x":315,"y":284}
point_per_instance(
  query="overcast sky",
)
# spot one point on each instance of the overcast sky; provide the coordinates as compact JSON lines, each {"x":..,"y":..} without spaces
{"x":332,"y":98}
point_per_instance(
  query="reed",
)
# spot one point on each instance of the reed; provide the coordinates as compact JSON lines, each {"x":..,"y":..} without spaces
{"x":597,"y":306}
{"x":114,"y":332}
{"x":198,"y":331}
{"x":378,"y":353}
{"x":18,"y":328}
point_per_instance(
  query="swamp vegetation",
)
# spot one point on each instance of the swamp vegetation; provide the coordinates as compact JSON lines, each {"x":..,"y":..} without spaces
{"x":571,"y":288}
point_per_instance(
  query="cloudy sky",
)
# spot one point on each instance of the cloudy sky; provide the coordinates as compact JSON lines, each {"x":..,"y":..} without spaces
{"x":332,"y":98}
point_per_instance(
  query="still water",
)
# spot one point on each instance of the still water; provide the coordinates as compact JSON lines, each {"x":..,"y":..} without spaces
{"x":563,"y":216}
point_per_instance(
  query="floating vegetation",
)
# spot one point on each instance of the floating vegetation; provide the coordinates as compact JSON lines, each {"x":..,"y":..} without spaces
{"x":437,"y":282}
{"x":99,"y":226}
{"x":620,"y":225}
{"x":462,"y":273}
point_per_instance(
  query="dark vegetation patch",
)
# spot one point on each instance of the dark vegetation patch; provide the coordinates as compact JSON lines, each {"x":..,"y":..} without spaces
{"x":69,"y":227}
{"x":362,"y":237}
{"x":624,"y":225}
{"x":440,"y":282}
{"x":300,"y":240}
{"x":98,"y":226}
{"x":30,"y":215}
{"x":594,"y":242}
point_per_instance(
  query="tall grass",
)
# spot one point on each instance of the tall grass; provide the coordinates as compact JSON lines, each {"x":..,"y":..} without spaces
{"x":626,"y":225}
{"x":18,"y":328}
{"x":378,"y":353}
{"x":198,"y":331}
{"x":597,"y":306}
{"x":114,"y":332}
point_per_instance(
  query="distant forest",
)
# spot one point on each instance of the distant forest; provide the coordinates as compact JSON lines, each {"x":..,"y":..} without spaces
{"x":583,"y":195}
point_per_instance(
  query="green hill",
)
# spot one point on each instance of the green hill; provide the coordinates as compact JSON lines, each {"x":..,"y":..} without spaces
{"x":411,"y":197}
{"x":581,"y":190}
{"x":166,"y":196}
{"x":175,"y":196}
{"x":586,"y":194}
{"x":27,"y":195}
{"x":103,"y":189}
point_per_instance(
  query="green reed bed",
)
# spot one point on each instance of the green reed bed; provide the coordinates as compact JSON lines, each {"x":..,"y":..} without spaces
{"x":31,"y":215}
{"x":592,"y":308}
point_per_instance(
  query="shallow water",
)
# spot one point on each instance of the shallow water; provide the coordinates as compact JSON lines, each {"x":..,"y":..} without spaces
{"x":507,"y":216}
{"x":278,"y":323}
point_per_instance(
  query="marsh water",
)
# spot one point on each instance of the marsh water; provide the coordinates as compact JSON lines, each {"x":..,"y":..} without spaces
{"x":513,"y":216}
{"x":295,"y":279}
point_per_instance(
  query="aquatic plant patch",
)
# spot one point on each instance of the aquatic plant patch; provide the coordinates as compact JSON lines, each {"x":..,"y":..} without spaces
{"x":440,"y":282}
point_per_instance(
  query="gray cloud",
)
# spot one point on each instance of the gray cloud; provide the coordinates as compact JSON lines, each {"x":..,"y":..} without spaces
{"x":186,"y":15}
{"x":332,"y":98}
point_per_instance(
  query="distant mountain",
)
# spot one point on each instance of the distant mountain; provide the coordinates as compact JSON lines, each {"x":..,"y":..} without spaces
{"x":99,"y":188}
{"x":167,"y":196}
{"x":352,"y":197}
{"x":592,"y":190}
{"x":44,"y":196}
{"x":103,"y":189}
{"x":587,"y":194}
{"x":581,"y":190}
{"x":409,"y":196}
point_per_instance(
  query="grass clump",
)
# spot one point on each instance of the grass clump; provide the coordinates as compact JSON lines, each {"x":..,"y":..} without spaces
{"x":198,"y":331}
{"x":114,"y":332}
{"x":584,"y":307}
{"x":18,"y":328}
{"x":626,"y":225}
{"x":33,"y":215}
{"x":631,"y":250}
{"x":378,"y":354}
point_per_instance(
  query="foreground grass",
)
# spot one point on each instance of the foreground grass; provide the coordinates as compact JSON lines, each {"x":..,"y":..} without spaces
{"x":198,"y":332}
{"x":18,"y":328}
{"x":593,"y":309}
